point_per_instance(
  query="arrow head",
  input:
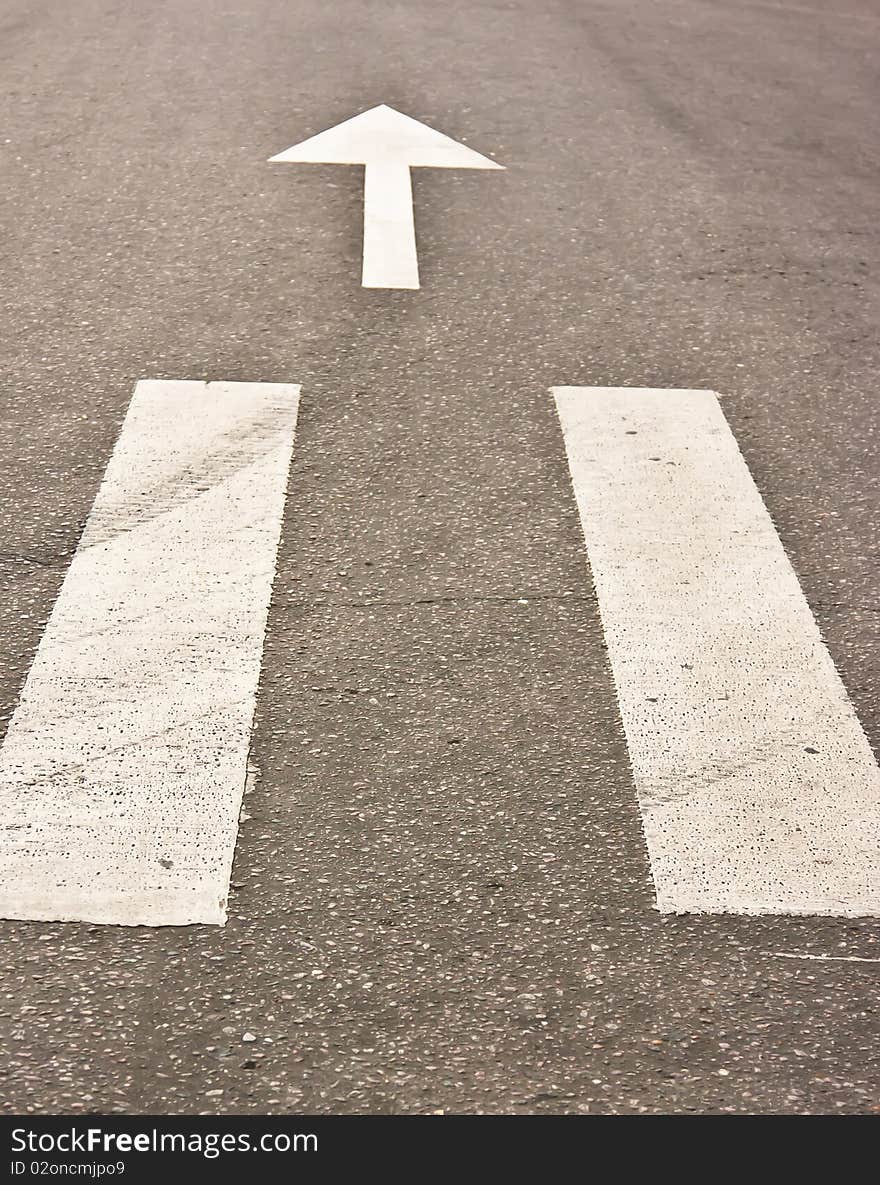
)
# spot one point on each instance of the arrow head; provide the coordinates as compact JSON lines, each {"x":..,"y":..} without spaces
{"x":385,"y":136}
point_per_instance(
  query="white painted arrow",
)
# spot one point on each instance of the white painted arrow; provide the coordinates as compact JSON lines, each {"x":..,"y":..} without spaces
{"x":389,"y":144}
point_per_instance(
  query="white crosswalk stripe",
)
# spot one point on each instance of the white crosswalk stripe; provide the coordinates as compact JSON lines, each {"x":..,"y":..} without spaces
{"x":758,"y":788}
{"x":123,"y":768}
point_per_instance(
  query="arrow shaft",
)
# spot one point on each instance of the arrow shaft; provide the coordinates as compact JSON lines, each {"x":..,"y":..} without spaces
{"x":390,"y":258}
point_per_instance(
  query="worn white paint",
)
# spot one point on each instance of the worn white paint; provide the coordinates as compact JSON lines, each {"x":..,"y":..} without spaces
{"x":389,"y":144}
{"x":778,"y":954}
{"x":123,"y":768}
{"x":758,"y":789}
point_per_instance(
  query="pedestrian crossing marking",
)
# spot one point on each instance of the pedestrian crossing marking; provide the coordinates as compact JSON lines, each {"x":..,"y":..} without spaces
{"x":123,"y":768}
{"x":758,"y":789}
{"x":122,"y":772}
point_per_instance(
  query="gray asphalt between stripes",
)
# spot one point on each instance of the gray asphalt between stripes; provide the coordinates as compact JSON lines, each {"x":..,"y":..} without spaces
{"x":441,"y":899}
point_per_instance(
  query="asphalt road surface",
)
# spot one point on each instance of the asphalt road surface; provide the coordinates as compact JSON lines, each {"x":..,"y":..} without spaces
{"x":441,"y":899}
